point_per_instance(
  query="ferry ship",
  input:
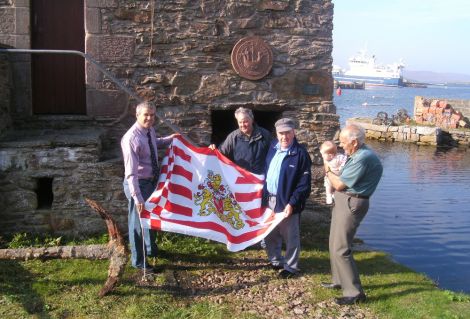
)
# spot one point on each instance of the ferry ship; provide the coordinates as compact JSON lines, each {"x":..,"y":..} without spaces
{"x":363,"y":67}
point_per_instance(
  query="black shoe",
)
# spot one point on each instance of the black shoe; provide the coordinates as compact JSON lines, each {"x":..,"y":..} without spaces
{"x":286,"y":274}
{"x":330,"y":285}
{"x":350,"y":300}
{"x":147,"y":270}
{"x":276,"y":267}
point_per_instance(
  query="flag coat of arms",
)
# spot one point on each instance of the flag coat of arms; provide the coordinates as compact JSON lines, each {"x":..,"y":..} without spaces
{"x":202,"y":193}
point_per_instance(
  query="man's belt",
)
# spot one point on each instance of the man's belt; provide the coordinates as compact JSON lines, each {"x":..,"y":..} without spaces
{"x":356,"y":195}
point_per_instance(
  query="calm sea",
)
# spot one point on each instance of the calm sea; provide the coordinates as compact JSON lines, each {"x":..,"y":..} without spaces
{"x":420,"y":213}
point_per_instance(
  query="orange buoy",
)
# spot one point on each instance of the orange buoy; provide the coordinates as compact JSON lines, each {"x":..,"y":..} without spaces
{"x":338,"y":91}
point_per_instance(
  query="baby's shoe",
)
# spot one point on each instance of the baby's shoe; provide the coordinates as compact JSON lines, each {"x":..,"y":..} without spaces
{"x":329,"y":199}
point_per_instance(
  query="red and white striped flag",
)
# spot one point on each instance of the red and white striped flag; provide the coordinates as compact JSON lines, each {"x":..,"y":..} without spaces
{"x":202,"y":193}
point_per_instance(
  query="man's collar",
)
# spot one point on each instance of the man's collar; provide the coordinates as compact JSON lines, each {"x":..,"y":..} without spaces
{"x":278,"y":147}
{"x":254,"y":133}
{"x":141,"y":128}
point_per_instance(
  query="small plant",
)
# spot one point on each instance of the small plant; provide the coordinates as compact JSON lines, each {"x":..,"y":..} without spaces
{"x":453,"y":296}
{"x":23,"y":240}
{"x":20,"y":240}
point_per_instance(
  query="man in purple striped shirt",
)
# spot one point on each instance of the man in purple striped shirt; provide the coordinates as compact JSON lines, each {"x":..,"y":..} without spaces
{"x":140,"y":179}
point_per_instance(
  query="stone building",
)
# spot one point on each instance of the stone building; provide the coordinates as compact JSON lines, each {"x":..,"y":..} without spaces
{"x":62,"y":118}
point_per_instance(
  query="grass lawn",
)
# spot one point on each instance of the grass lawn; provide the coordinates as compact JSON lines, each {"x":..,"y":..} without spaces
{"x":200,"y":279}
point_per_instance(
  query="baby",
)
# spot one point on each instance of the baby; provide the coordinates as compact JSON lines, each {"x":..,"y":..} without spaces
{"x":335,"y":161}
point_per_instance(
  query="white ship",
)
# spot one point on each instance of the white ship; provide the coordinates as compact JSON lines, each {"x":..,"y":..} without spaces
{"x":364,"y":68}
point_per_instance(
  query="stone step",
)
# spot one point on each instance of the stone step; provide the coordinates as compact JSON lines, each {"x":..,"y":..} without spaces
{"x":49,"y":149}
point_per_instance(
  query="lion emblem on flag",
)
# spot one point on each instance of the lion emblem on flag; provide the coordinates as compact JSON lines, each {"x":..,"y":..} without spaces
{"x":214,"y":198}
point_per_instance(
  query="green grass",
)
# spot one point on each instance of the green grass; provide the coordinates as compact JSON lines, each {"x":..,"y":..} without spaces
{"x":69,"y":288}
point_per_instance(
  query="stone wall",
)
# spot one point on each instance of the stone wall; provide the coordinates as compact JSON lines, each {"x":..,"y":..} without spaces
{"x":15,"y":33}
{"x":5,"y":93}
{"x":184,"y":66}
{"x":458,"y":136}
{"x":422,"y":135}
{"x":45,"y":177}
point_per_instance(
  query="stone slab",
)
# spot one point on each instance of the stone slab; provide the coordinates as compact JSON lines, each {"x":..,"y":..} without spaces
{"x":7,"y":21}
{"x":92,"y":20}
{"x":110,"y":48}
{"x":101,"y":3}
{"x":106,"y":102}
{"x":22,"y":21}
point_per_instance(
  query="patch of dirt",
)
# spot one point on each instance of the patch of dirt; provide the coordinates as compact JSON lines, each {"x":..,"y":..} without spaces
{"x":251,"y":286}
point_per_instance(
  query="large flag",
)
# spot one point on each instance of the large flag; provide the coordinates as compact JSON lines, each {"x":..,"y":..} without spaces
{"x":202,"y":193}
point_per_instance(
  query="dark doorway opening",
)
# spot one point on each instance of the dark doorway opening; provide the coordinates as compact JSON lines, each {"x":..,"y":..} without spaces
{"x":224,"y":122}
{"x":58,"y":80}
{"x":44,"y":192}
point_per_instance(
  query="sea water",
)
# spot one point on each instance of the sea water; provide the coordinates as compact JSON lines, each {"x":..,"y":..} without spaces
{"x":420,"y":213}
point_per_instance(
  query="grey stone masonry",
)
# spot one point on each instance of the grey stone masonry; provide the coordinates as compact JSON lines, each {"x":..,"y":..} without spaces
{"x":422,"y":135}
{"x":70,"y":160}
{"x":5,"y":93}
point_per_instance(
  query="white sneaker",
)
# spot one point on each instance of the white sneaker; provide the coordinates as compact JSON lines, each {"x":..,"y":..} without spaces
{"x":329,"y":199}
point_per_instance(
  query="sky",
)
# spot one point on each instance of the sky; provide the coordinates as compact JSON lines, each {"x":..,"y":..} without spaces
{"x":429,"y":35}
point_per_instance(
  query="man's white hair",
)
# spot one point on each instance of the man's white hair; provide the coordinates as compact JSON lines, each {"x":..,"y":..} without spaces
{"x":144,"y":105}
{"x":245,"y":111}
{"x":354,"y":132}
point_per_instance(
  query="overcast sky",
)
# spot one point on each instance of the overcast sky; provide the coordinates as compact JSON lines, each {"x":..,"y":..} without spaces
{"x":429,"y":35}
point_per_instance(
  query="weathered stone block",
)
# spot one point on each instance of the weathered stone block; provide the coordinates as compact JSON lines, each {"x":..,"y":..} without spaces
{"x":299,"y":85}
{"x":430,"y":139}
{"x":110,"y":48}
{"x":101,"y":3}
{"x":7,"y":21}
{"x":22,"y":41}
{"x":133,"y":15}
{"x":20,"y":200}
{"x":373,"y":134}
{"x":94,"y":76}
{"x":22,"y":20}
{"x":273,"y":5}
{"x":414,"y":137}
{"x":426,"y":130}
{"x":211,"y":86}
{"x":238,"y":10}
{"x":106,"y":102}
{"x":92,"y":20}
{"x":8,"y":40}
{"x":21,"y":3}
{"x":186,"y":83}
{"x":381,"y":128}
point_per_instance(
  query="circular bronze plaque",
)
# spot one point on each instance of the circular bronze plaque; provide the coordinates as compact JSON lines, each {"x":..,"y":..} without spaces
{"x":252,"y":58}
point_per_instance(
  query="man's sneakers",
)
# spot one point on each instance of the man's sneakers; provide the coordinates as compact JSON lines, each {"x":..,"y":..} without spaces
{"x":276,"y":266}
{"x":286,"y":274}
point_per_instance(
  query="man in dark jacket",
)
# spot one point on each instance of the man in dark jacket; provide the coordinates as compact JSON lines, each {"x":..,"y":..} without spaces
{"x":247,"y":146}
{"x":287,"y":187}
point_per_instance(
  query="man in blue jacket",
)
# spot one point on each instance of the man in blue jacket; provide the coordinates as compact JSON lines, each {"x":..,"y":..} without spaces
{"x":287,"y":187}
